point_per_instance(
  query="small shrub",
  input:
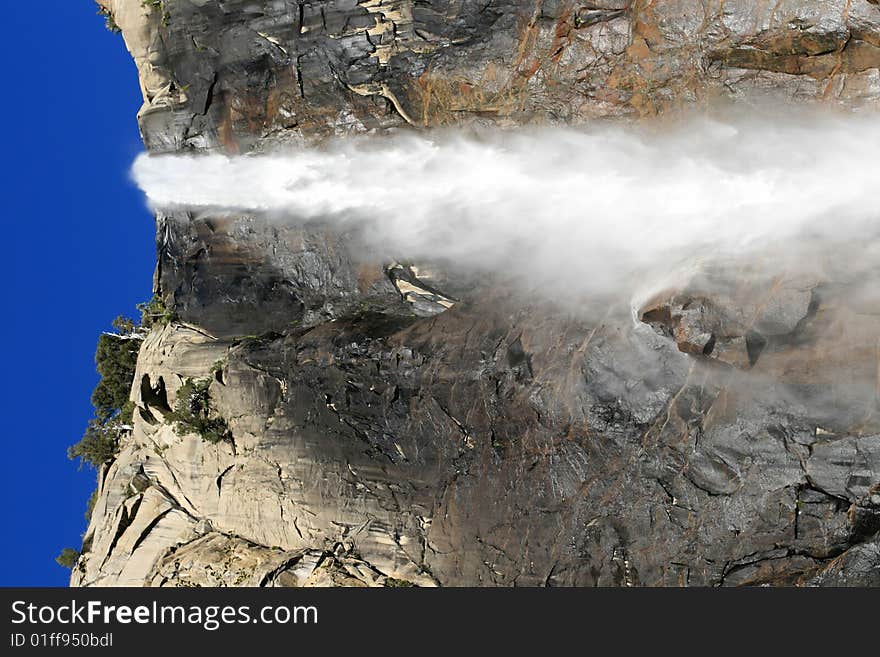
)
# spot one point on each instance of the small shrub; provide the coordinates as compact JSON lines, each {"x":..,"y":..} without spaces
{"x":126,"y":326}
{"x":98,"y":444}
{"x":393,"y":582}
{"x":109,"y":20}
{"x":155,"y":313}
{"x":68,"y":557}
{"x":158,"y":5}
{"x":193,"y":412}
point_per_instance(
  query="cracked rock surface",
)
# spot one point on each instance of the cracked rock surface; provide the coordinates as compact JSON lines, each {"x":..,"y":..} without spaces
{"x":393,"y":421}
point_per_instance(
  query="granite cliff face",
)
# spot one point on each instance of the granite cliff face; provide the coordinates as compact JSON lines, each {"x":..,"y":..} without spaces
{"x":393,"y":421}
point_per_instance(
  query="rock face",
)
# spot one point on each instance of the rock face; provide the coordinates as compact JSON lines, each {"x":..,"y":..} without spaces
{"x":391,"y":421}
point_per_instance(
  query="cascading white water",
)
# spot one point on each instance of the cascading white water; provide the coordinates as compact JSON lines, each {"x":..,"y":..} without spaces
{"x":600,"y":205}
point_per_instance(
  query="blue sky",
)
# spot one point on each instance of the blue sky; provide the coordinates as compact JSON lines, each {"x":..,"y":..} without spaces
{"x":79,"y":246}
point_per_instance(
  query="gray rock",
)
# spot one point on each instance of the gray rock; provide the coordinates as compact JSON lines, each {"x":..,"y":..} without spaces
{"x":391,"y":423}
{"x":847,"y":467}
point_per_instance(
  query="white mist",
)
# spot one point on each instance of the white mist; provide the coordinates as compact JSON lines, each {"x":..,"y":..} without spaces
{"x":590,"y":209}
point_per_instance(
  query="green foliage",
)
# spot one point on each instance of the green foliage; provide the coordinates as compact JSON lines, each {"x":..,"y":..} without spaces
{"x":125,"y":325}
{"x":193,"y":412}
{"x":68,"y":557}
{"x":155,"y":313}
{"x":98,"y":444}
{"x":158,"y":5}
{"x":393,"y":582}
{"x":115,"y":360}
{"x":110,"y":24}
{"x":109,"y":20}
